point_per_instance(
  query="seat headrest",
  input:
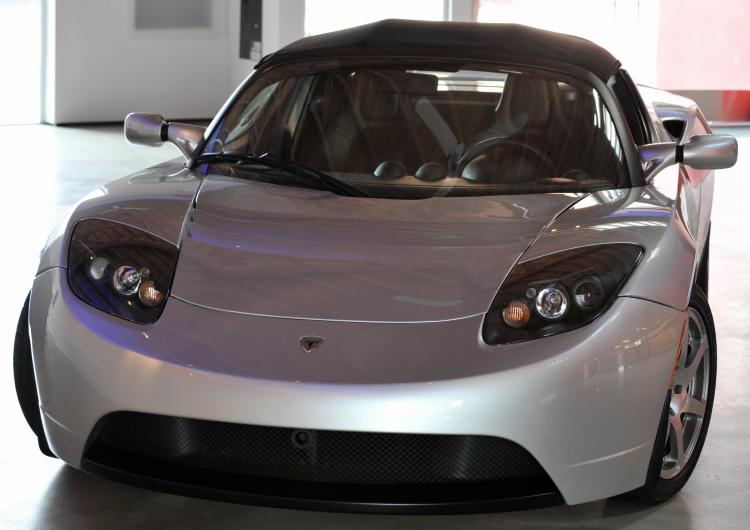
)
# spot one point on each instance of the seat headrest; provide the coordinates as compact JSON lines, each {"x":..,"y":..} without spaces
{"x":525,"y":102}
{"x":379,"y":92}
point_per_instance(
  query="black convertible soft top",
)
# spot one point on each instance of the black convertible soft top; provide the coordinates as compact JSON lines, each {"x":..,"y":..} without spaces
{"x":510,"y":44}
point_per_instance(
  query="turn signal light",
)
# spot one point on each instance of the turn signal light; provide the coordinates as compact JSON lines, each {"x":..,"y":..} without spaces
{"x":516,"y":314}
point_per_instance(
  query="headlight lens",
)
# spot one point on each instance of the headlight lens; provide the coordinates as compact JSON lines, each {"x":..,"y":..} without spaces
{"x":588,"y":293}
{"x":552,"y":302}
{"x":121,"y":270}
{"x":558,"y":292}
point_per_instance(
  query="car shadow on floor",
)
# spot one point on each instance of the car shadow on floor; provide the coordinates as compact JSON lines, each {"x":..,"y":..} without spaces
{"x":75,"y":499}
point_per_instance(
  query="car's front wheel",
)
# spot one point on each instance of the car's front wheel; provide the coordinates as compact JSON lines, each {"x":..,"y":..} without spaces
{"x":686,"y":416}
{"x":23,"y":372}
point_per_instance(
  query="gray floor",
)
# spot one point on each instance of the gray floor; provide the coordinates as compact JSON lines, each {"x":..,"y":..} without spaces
{"x":46,"y":170}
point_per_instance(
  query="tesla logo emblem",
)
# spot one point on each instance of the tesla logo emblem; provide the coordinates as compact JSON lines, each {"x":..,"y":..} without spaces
{"x":310,"y":344}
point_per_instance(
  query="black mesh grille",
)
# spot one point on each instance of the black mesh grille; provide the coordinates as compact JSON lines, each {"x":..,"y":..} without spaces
{"x":362,"y":458}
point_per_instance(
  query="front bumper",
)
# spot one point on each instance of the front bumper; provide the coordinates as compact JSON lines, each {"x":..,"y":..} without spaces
{"x":585,"y":404}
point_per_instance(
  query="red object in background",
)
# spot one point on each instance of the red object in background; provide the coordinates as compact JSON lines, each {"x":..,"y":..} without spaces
{"x":735,"y":105}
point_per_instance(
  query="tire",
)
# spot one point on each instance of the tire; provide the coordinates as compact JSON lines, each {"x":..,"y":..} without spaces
{"x":23,"y":375}
{"x":665,"y":477}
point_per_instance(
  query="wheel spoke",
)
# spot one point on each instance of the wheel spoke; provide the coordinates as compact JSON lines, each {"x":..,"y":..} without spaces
{"x":694,"y":406}
{"x":677,"y":439}
{"x":681,"y":376}
{"x":695,"y":362}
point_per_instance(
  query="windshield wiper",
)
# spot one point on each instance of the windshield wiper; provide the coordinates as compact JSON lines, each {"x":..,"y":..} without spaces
{"x":268,"y":160}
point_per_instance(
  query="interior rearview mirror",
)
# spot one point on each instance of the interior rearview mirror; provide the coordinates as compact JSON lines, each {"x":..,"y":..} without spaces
{"x":702,"y":151}
{"x":153,"y":130}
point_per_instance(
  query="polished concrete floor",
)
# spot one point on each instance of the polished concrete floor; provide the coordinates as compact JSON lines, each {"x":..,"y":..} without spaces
{"x":46,"y":170}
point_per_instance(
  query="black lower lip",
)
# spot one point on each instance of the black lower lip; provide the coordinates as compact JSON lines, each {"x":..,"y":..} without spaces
{"x":333,"y":498}
{"x":318,"y":470}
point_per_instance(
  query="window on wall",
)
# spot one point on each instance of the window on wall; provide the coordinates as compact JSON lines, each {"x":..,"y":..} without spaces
{"x":629,"y":29}
{"x":21,"y":59}
{"x":322,"y":16}
{"x":172,"y":14}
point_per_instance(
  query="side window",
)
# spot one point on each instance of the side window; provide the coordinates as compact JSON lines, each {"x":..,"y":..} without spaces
{"x":632,"y":106}
{"x":251,"y":112}
{"x":243,"y":116}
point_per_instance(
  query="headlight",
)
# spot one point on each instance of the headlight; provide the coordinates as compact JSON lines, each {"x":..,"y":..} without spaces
{"x":558,"y":292}
{"x":121,"y":270}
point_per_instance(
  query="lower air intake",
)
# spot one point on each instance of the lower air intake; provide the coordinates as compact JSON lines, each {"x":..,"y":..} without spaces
{"x":236,"y":456}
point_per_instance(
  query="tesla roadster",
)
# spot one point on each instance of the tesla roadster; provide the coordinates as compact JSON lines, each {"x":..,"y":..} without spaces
{"x":409,"y":266}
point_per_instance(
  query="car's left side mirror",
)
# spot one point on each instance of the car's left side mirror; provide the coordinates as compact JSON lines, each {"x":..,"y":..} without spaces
{"x":702,"y":151}
{"x":710,"y":151}
{"x":154,"y":130}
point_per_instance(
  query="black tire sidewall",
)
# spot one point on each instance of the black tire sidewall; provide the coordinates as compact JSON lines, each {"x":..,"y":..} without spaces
{"x":25,"y":380}
{"x":23,"y":372}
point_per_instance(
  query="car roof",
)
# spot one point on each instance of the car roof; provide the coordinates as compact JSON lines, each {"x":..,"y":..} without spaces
{"x":511,"y":44}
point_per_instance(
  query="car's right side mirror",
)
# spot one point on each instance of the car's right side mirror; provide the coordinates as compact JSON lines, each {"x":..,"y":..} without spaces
{"x":154,"y":130}
{"x":702,"y":151}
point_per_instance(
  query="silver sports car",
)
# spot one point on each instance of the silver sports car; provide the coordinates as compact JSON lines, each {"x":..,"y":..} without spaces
{"x":409,"y":266}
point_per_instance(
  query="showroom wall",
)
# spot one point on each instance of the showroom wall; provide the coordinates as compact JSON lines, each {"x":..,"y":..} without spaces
{"x":694,"y":47}
{"x":283,"y":22}
{"x":629,"y":29}
{"x":709,"y":62}
{"x":99,"y":66}
{"x":103,"y":67}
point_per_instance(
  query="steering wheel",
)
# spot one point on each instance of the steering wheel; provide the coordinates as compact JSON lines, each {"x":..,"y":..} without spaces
{"x":488,"y":144}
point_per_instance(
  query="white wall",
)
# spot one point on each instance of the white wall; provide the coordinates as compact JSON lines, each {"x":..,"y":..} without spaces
{"x":323,"y":16}
{"x":458,"y":10}
{"x":100,"y":68}
{"x":629,"y":29}
{"x":238,"y":69}
{"x":20,"y":88}
{"x":283,"y":22}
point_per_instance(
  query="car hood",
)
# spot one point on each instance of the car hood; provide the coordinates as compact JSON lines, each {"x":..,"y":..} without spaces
{"x":266,"y":249}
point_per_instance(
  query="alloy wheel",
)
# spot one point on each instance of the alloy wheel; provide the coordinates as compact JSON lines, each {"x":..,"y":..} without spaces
{"x":690,"y":392}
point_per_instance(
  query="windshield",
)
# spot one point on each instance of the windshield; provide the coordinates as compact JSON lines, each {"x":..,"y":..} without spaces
{"x":418,"y":130}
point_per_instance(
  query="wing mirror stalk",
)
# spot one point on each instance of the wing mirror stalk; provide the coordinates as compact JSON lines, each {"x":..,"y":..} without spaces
{"x":702,"y":151}
{"x":153,"y":130}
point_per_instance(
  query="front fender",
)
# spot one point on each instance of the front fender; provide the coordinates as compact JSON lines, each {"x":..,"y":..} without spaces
{"x":155,"y":200}
{"x":641,"y":216}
